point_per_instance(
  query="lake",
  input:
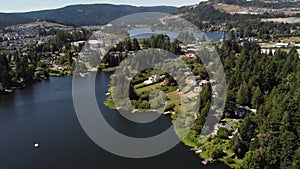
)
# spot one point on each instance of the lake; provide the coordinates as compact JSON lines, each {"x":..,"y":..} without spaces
{"x":40,"y":113}
{"x":147,"y":33}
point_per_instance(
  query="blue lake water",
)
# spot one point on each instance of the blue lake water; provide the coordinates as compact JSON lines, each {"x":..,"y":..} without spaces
{"x":147,"y":33}
{"x":40,"y":113}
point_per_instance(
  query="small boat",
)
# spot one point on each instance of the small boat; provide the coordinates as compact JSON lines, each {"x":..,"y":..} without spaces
{"x":169,"y":113}
{"x":207,"y":161}
{"x":107,"y":94}
{"x":36,"y":145}
{"x":134,"y":111}
{"x":82,"y":75}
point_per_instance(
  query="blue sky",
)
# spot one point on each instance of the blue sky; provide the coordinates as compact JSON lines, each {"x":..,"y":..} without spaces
{"x":30,"y":5}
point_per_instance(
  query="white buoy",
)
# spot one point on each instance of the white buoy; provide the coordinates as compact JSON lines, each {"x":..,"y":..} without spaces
{"x":36,"y":145}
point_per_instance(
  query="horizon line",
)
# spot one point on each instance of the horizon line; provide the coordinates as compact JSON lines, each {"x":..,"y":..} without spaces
{"x":104,"y":3}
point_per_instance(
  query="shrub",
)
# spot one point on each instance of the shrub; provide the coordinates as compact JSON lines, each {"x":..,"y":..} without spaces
{"x":223,"y":133}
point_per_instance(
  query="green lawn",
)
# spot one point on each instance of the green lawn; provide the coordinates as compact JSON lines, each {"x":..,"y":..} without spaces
{"x":139,"y":86}
{"x":139,"y":91}
{"x":109,"y":103}
{"x":192,"y":140}
{"x":174,"y":99}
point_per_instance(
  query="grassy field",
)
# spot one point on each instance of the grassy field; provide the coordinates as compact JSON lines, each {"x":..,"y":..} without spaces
{"x":139,"y":91}
{"x":174,"y":99}
{"x":109,"y":103}
{"x":291,"y":39}
{"x":139,"y":86}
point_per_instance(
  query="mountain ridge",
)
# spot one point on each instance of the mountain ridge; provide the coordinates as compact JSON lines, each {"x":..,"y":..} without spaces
{"x":80,"y":14}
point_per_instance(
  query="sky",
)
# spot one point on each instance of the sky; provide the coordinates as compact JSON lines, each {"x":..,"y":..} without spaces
{"x":32,"y":5}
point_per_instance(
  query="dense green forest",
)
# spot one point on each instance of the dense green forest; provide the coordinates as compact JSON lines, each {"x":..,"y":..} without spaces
{"x":270,"y":84}
{"x":156,"y":41}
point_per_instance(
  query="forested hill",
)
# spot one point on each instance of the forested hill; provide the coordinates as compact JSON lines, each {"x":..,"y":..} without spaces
{"x":269,"y":138}
{"x":80,"y":15}
{"x":12,"y":19}
{"x":93,"y":14}
{"x":261,"y":3}
{"x":243,"y":16}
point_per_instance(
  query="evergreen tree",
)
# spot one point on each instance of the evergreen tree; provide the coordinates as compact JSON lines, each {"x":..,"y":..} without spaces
{"x":243,"y":95}
{"x":136,"y":45}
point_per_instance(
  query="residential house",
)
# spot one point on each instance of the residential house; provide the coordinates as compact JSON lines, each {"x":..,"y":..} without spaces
{"x":77,"y":44}
{"x":203,"y":82}
{"x":281,"y":45}
{"x":218,"y":126}
{"x":192,"y":80}
{"x":153,"y":79}
{"x":189,"y":56}
{"x":241,"y":112}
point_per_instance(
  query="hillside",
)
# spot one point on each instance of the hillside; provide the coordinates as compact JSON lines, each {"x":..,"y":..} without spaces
{"x":11,"y":19}
{"x":80,"y":15}
{"x":274,"y":4}
{"x":206,"y":16}
{"x":250,"y":18}
{"x":92,"y":14}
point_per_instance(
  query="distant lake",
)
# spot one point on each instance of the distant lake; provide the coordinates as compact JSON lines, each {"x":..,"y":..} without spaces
{"x":46,"y":115}
{"x":147,"y":33}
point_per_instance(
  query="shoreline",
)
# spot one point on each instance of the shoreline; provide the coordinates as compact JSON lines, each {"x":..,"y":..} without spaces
{"x":22,"y":85}
{"x":109,"y":104}
{"x":203,"y":160}
{"x":193,"y":147}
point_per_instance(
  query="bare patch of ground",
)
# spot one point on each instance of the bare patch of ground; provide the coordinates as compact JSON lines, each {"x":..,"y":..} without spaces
{"x":42,"y":23}
{"x":232,"y":9}
{"x":284,"y":20}
{"x":291,"y":39}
